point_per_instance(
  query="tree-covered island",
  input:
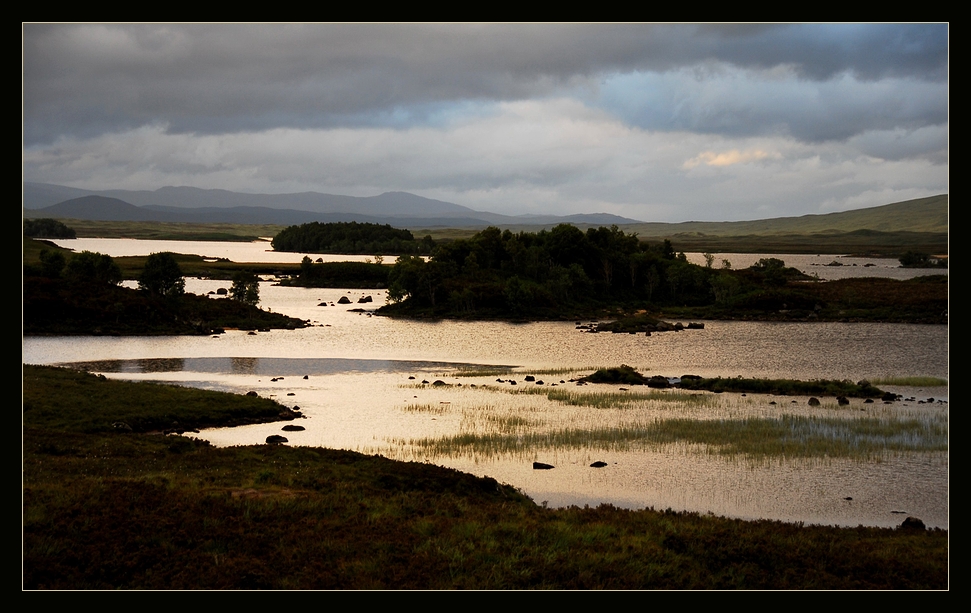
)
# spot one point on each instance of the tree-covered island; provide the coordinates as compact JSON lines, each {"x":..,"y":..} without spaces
{"x":351,"y":238}
{"x":565,"y":273}
{"x":79,"y":293}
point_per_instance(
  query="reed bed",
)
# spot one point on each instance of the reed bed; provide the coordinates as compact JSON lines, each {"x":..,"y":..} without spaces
{"x":788,"y":436}
{"x":434,"y":409}
{"x":613,"y":400}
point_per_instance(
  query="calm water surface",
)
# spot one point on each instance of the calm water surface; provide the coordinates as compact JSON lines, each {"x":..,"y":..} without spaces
{"x":350,"y":375}
{"x":826,"y":267}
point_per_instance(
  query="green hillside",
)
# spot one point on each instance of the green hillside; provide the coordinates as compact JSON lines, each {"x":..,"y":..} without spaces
{"x":920,"y":215}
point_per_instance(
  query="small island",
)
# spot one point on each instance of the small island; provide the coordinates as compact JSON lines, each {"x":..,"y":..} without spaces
{"x":606,"y":273}
{"x":68,"y":293}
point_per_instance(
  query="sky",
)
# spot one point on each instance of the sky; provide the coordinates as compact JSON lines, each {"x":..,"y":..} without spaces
{"x":656,"y":122}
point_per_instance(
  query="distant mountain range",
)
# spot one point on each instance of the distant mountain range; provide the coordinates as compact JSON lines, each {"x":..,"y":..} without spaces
{"x":404,"y":210}
{"x":193,"y":205}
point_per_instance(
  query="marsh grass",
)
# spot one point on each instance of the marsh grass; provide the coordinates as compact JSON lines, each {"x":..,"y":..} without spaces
{"x":496,"y":371}
{"x":911,"y":381}
{"x":434,"y":409}
{"x":480,"y":371}
{"x":506,"y":424}
{"x":613,"y":400}
{"x":788,"y":436}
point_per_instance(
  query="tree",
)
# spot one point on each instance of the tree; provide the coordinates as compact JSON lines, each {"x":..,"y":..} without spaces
{"x":52,"y":263}
{"x":246,"y":288}
{"x":162,"y":276}
{"x":90,"y":267}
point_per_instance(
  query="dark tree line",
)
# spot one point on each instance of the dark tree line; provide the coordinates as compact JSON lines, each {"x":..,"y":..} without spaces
{"x":47,"y":228}
{"x":350,"y":237}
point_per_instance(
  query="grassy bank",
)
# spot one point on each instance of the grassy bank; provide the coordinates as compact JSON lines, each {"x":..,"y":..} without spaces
{"x":105,"y":507}
{"x":58,"y":307}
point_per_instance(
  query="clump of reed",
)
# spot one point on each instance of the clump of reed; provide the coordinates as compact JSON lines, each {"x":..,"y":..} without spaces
{"x":612,"y":400}
{"x":787,"y":436}
{"x":434,"y":409}
{"x":480,"y":371}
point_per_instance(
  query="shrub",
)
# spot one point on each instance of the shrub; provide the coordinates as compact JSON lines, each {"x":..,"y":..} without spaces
{"x":90,"y":267}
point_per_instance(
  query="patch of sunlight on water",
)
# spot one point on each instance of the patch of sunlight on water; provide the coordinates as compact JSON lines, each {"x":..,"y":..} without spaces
{"x":357,"y":395}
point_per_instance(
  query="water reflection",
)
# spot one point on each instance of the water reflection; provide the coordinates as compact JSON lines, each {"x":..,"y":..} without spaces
{"x":351,"y":376}
{"x":476,"y":421}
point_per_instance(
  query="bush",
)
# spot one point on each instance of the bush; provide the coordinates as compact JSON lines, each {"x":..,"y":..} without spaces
{"x":90,"y":267}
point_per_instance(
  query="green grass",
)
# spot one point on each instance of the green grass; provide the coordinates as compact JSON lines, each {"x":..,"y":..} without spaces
{"x":86,"y":403}
{"x":481,"y":371}
{"x":160,"y":230}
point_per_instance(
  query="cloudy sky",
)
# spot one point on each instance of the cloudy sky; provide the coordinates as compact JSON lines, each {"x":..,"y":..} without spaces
{"x":653,"y":122}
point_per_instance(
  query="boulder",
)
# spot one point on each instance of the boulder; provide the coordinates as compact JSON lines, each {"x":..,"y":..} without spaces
{"x":541,"y":466}
{"x":598,"y":464}
{"x":276,"y":439}
{"x":293,"y":428}
{"x":814,"y":402}
{"x":912,"y":523}
{"x":344,"y":300}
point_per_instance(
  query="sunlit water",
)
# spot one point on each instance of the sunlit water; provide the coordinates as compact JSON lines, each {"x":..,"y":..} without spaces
{"x":358,"y":395}
{"x":825,"y":267}
{"x":256,"y":251}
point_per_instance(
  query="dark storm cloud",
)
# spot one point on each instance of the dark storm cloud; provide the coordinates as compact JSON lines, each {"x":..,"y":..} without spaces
{"x":83,"y":80}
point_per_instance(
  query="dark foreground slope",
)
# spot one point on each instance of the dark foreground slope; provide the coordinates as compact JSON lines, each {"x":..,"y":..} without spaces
{"x":105,"y":507}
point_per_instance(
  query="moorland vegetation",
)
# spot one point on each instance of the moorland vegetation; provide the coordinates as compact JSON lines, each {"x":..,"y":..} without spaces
{"x":110,"y":502}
